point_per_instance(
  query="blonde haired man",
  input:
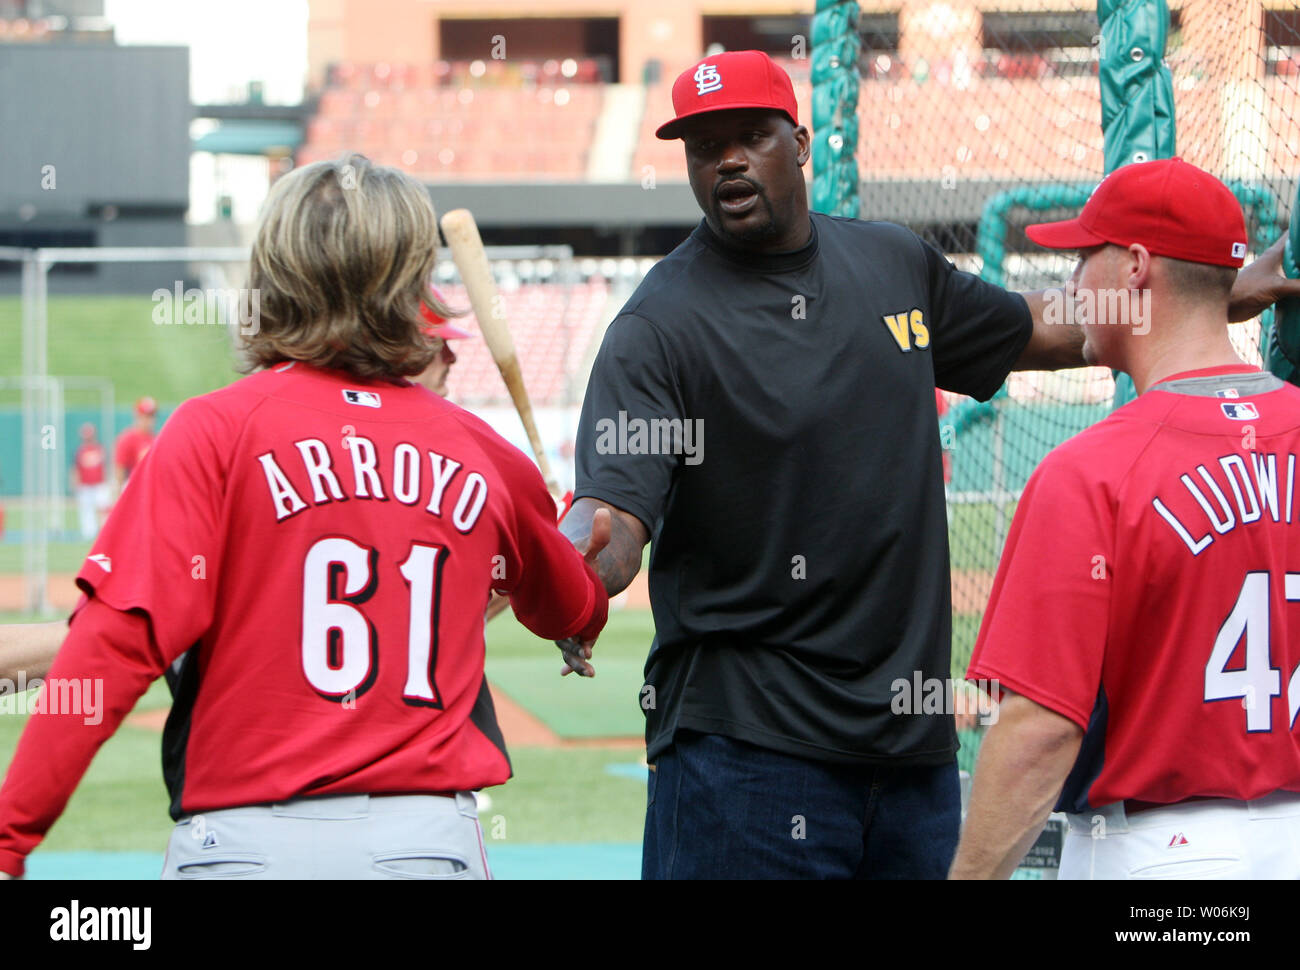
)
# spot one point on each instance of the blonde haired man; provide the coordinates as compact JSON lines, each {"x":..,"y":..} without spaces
{"x":308,"y":553}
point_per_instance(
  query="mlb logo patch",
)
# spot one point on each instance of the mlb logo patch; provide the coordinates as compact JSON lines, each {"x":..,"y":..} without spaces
{"x":1238,"y":250}
{"x":367,"y":399}
{"x":1228,"y":392}
{"x":1244,"y":411}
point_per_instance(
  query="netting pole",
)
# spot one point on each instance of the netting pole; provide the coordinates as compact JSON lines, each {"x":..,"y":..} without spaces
{"x":835,"y":79}
{"x":1137,"y":97}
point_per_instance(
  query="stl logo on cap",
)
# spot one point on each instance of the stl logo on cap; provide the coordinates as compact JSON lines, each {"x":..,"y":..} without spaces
{"x":754,"y":80}
{"x":707,"y":79}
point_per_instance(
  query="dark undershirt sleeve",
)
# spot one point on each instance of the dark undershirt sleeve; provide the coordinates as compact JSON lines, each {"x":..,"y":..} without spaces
{"x":633,"y":380}
{"x":978,"y":329}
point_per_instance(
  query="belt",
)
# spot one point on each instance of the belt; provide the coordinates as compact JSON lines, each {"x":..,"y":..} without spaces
{"x":1132,"y":806}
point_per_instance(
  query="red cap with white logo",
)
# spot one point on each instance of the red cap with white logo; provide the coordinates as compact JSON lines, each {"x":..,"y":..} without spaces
{"x":735,"y":79}
{"x":1172,"y":208}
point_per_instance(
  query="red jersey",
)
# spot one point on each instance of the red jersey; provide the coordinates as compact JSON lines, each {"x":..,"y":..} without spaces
{"x":89,"y":464}
{"x":132,"y":444}
{"x":1150,"y":592}
{"x":317,"y":553}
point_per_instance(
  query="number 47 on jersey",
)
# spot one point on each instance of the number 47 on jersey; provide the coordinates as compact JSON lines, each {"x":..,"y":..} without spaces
{"x":1258,"y":682}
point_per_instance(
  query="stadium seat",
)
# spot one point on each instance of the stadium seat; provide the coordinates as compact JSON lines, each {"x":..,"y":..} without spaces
{"x":440,"y":119}
{"x":553,"y":326}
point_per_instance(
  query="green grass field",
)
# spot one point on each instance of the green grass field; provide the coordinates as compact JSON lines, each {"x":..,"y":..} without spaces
{"x":557,"y":795}
{"x":972,"y":537}
{"x":64,"y":557}
{"x":599,"y":707}
{"x":115,"y":336}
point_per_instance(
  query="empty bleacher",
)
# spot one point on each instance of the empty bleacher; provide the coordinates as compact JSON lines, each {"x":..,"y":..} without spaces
{"x":478,"y":120}
{"x":1004,"y":117}
{"x":553,"y":326}
{"x":992,"y":128}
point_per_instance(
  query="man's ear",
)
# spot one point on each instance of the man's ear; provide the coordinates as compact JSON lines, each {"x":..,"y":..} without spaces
{"x":803,"y":142}
{"x":1138,"y":267}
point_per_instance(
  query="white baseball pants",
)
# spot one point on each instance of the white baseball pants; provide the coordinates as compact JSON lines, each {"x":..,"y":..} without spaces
{"x":335,"y":837}
{"x":1212,"y":839}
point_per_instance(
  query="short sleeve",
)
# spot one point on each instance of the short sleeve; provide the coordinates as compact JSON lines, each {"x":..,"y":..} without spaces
{"x":160,"y":549}
{"x":978,"y":332}
{"x":633,"y":382}
{"x":1044,"y":632}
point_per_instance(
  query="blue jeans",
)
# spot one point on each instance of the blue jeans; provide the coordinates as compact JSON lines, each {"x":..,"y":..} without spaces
{"x":719,"y":808}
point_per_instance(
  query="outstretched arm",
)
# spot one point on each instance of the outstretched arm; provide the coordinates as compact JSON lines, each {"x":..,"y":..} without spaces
{"x":1261,"y":284}
{"x":611,"y":541}
{"x":116,"y":652}
{"x":620,"y":560}
{"x":1053,"y":345}
{"x":28,"y":649}
{"x":1059,"y":344}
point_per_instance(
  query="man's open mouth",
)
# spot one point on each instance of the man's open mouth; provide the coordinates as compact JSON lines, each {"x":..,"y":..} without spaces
{"x":736,"y":197}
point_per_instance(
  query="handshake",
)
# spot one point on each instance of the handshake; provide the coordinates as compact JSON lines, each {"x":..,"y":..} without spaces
{"x":577,"y":653}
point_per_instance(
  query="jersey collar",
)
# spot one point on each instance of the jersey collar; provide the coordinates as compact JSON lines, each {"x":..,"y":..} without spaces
{"x":1219,"y":371}
{"x":760,"y":262}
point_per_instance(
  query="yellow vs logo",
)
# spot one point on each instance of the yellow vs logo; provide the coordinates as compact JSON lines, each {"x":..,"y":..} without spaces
{"x":909,"y":330}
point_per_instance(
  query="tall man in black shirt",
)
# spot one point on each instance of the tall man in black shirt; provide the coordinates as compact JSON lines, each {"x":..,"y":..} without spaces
{"x":764,"y":408}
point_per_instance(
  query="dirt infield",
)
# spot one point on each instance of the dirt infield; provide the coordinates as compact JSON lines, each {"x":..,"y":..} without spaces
{"x":62,"y":590}
{"x":970,"y":590}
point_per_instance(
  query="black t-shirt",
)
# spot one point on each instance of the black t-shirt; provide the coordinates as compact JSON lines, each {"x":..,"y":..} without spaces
{"x":799,"y":558}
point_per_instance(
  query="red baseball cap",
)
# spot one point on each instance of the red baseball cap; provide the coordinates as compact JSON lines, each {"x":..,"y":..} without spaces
{"x":438,"y":326}
{"x":1172,"y":208}
{"x":146,"y":405}
{"x":734,"y":79}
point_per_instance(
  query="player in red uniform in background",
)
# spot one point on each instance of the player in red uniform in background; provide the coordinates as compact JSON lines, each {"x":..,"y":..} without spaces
{"x":309,"y":552}
{"x":135,"y":441}
{"x":1144,"y":625}
{"x":90,"y":482}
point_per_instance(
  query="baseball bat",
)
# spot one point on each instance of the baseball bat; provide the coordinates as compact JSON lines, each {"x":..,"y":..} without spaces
{"x":462,"y":236}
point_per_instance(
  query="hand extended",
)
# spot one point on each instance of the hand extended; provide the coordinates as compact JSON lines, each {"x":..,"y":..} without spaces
{"x":1261,"y":284}
{"x":577,"y":653}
